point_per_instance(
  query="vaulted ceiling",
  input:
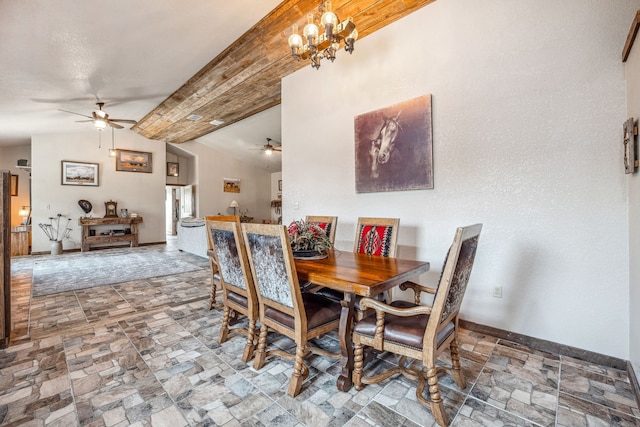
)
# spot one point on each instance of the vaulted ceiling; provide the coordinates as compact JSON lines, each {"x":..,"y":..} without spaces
{"x":245,"y":78}
{"x":151,"y":61}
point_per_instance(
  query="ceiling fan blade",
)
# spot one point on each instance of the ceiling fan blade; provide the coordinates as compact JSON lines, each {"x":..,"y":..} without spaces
{"x":84,"y":121}
{"x":83,"y":115}
{"x":276,"y":148}
{"x":114,"y":125}
{"x":133,"y":122}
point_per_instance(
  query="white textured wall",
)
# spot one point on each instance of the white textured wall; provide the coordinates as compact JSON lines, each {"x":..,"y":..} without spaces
{"x":632,"y":72}
{"x":138,"y":192}
{"x":211,"y":167}
{"x":528,"y":105}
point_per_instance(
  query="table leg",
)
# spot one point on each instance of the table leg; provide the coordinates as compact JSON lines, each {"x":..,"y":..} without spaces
{"x":346,"y":344}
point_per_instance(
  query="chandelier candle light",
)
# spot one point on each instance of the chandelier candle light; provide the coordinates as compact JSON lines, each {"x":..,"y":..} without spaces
{"x":323,"y":46}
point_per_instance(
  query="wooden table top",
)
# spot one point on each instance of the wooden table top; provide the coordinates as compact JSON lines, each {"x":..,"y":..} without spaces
{"x":365,"y":275}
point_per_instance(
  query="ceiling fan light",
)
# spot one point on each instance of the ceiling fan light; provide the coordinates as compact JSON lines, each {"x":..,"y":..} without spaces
{"x":268,"y":151}
{"x":100,"y":124}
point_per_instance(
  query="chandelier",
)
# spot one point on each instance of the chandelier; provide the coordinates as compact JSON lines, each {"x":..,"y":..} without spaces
{"x":315,"y":46}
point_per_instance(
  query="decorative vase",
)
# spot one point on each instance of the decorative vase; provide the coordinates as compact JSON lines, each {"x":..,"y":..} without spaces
{"x":56,"y":247}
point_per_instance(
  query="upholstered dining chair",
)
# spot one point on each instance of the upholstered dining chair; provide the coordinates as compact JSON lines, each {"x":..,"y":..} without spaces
{"x":327,"y":223}
{"x":283,"y":307}
{"x":421,"y":332}
{"x":238,"y":290}
{"x":215,"y":276}
{"x":374,"y":236}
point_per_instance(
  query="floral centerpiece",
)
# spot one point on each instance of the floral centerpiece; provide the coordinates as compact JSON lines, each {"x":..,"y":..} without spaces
{"x":308,"y":237}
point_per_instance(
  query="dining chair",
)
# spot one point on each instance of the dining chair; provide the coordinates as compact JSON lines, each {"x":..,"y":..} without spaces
{"x":284,"y":308}
{"x":374,"y":236}
{"x":327,"y":223}
{"x":215,"y":276}
{"x":421,"y":332}
{"x":238,"y":290}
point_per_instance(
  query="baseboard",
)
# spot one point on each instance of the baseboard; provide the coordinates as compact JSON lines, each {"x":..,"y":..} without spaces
{"x":100,"y":247}
{"x":549,"y":346}
{"x":633,"y":378}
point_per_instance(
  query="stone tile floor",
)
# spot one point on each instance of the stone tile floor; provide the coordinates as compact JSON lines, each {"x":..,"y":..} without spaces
{"x":145,"y":353}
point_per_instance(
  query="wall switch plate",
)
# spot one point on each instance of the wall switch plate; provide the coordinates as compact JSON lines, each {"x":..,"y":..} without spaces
{"x":497,"y":292}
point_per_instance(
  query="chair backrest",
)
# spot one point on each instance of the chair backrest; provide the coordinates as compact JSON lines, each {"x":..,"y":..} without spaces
{"x":218,"y":218}
{"x":231,"y":257}
{"x":453,"y":279}
{"x":273,"y":269}
{"x":327,"y":223}
{"x":377,"y":236}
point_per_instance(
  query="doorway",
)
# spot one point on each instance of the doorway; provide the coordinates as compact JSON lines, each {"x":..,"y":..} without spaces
{"x":179,"y":204}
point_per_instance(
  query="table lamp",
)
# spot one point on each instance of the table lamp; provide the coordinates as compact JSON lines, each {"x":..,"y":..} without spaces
{"x":24,"y":213}
{"x":234,"y":205}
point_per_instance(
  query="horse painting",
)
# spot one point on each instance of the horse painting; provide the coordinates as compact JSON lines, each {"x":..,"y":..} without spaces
{"x":394,"y":147}
{"x":382,"y":146}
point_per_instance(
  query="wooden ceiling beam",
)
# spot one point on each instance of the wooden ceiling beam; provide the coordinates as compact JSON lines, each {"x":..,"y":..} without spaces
{"x":245,"y":78}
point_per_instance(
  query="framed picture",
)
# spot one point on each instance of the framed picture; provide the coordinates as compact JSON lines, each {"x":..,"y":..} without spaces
{"x":279,"y":185}
{"x":78,"y":173}
{"x":14,"y":185}
{"x":394,"y":147}
{"x":173,"y":169}
{"x":231,"y":185}
{"x":133,"y":161}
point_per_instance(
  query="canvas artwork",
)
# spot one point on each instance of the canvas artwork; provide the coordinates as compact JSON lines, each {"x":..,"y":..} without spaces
{"x":394,"y":147}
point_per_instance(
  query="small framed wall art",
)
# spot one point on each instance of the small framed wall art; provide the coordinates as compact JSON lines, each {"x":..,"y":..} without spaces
{"x":14,"y":185}
{"x":79,"y":173}
{"x":173,"y":169}
{"x":133,"y":161}
{"x":231,"y":185}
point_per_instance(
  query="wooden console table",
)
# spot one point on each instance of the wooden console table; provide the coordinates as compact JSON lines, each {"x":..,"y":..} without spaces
{"x":20,"y":240}
{"x":112,"y":237}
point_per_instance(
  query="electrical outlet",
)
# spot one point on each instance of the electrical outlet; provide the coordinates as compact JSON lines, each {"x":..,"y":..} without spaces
{"x":497,"y":292}
{"x":295,"y":206}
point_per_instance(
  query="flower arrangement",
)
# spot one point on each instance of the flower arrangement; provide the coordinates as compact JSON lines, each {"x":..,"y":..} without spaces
{"x":53,"y":230}
{"x":308,"y":236}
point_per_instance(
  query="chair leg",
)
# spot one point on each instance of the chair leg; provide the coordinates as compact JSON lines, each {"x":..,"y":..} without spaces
{"x":214,"y":288}
{"x":437,"y":406}
{"x":358,"y":356}
{"x":297,"y":377}
{"x":456,"y":371}
{"x":224,"y":327}
{"x":260,"y":354}
{"x":251,"y":336}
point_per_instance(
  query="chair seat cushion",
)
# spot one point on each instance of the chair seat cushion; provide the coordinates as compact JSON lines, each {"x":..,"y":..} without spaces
{"x":406,"y":331}
{"x":237,"y":299}
{"x":319,"y":310}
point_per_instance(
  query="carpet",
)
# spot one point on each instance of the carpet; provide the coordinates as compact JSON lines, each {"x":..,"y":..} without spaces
{"x":71,"y":272}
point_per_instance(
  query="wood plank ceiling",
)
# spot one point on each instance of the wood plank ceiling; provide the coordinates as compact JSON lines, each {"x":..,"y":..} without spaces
{"x":245,"y":78}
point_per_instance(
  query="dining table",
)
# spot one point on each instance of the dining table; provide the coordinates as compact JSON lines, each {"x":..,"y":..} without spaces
{"x":355,"y":274}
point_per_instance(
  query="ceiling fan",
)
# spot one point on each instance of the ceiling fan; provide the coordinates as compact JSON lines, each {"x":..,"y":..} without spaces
{"x":101,"y":119}
{"x":269,"y":148}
